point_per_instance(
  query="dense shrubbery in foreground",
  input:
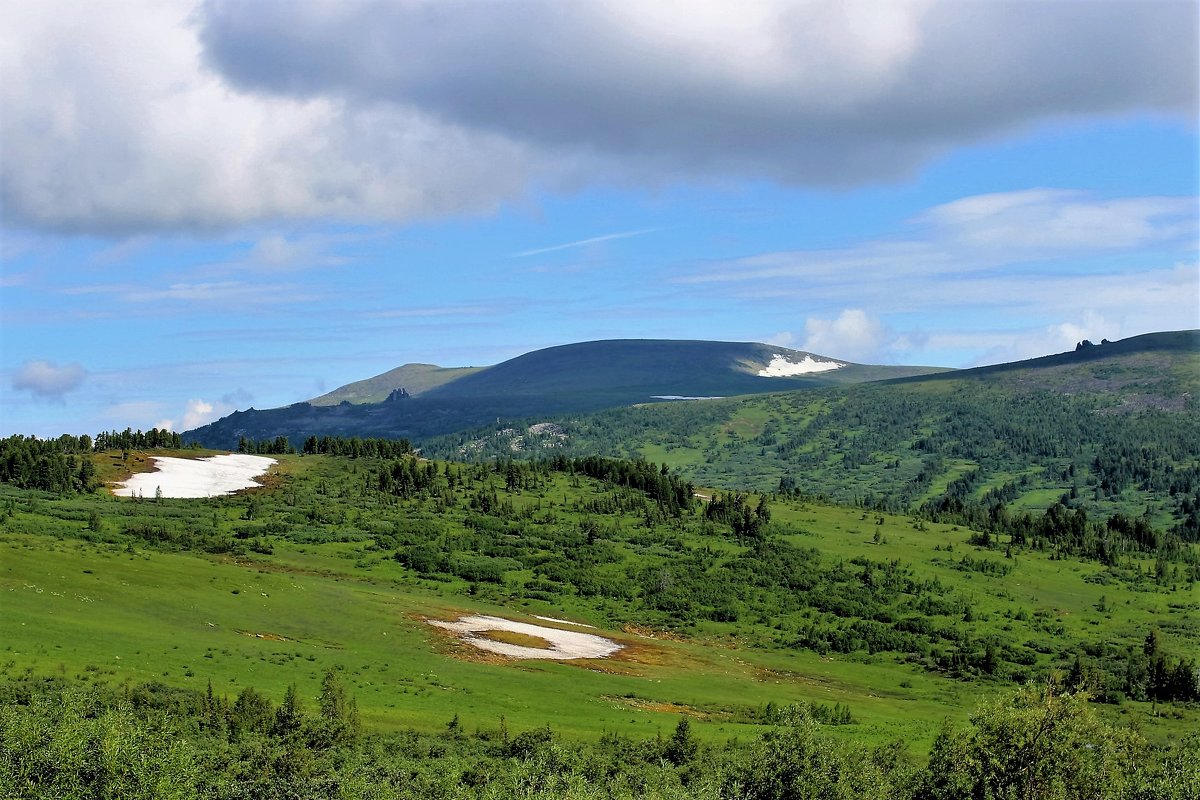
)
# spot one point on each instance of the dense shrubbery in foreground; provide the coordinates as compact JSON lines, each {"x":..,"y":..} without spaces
{"x":61,"y":739}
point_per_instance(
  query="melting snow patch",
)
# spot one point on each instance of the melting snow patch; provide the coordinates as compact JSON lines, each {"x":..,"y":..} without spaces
{"x":563,"y":621}
{"x":197,"y":477}
{"x":780,"y":367}
{"x":562,"y":645}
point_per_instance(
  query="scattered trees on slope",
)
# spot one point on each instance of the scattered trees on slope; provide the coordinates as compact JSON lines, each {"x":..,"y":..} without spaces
{"x":65,"y":739}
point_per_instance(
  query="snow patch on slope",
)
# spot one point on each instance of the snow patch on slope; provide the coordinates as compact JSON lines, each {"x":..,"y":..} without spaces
{"x":202,"y":477}
{"x":560,"y":645}
{"x":780,"y":367}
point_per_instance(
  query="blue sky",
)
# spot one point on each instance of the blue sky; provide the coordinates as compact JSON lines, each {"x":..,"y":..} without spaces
{"x":209,"y":206}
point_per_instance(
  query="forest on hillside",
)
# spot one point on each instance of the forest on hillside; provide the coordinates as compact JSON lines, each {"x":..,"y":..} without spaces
{"x":967,"y":450}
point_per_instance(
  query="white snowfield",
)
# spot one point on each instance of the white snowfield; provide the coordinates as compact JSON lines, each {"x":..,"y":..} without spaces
{"x":563,"y":645}
{"x":196,"y":477}
{"x":780,"y":367}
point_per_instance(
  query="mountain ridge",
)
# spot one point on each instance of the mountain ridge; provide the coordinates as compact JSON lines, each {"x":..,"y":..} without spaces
{"x":1162,"y":341}
{"x":415,"y":379}
{"x":583,"y":376}
{"x":587,"y":377}
{"x":667,"y":366}
{"x":1106,"y":429}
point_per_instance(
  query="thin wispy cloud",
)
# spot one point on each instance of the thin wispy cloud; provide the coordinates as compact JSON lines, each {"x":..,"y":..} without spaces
{"x":584,"y":242}
{"x":434,"y":312}
{"x":122,"y":251}
{"x":14,"y":279}
{"x":227,"y":292}
{"x":1049,"y":220}
{"x":281,"y":253}
{"x":982,"y":233}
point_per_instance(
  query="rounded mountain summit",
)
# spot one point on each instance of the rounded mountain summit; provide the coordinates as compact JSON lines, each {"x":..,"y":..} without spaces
{"x":418,"y":400}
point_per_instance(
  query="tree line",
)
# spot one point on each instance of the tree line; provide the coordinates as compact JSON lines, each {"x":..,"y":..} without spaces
{"x":63,"y":466}
{"x":48,"y":465}
{"x":356,"y":447}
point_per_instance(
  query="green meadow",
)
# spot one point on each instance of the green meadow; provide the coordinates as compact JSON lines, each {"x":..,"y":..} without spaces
{"x":325,"y":570}
{"x":100,"y":613}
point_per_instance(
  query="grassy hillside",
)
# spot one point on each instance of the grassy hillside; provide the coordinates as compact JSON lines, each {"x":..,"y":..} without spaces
{"x":1140,"y":353}
{"x":1110,"y":429}
{"x":415,"y":379}
{"x":339,"y":564}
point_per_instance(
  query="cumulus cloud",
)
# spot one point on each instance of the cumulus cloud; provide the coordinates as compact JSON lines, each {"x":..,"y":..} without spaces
{"x":48,"y":380}
{"x":822,"y":91}
{"x":852,"y":335}
{"x":148,"y":116}
{"x":196,"y":413}
{"x":116,"y":126}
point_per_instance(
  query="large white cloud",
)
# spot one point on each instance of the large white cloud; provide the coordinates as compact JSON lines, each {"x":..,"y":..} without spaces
{"x":196,"y":413}
{"x":123,"y":117}
{"x":852,"y":334}
{"x":111,"y":123}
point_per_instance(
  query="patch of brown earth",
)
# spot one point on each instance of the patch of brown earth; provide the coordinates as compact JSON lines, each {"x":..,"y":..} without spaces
{"x":642,"y":704}
{"x":268,"y":482}
{"x":512,"y":637}
{"x":274,"y":637}
{"x":447,"y":643}
{"x":651,"y":633}
{"x":266,"y":565}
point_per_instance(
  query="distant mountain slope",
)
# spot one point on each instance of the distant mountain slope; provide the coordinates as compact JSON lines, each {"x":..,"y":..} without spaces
{"x":1113,"y":427}
{"x":415,"y":379}
{"x":635,"y":370}
{"x":1144,"y":353}
{"x":569,"y":379}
